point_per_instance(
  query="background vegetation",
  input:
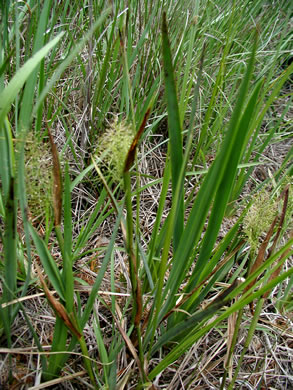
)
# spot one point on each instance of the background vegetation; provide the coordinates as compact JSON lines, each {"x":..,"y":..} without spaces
{"x":146,"y":194}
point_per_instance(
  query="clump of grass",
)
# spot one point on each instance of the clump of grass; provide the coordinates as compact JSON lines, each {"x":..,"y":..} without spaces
{"x":190,"y":285}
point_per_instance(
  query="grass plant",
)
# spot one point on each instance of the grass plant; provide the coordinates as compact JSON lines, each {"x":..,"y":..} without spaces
{"x":164,"y":247}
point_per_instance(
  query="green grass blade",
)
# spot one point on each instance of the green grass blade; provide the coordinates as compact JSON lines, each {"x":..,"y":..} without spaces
{"x":9,"y":211}
{"x":93,"y":294}
{"x":8,"y":95}
{"x":9,"y":241}
{"x":188,"y":324}
{"x":58,"y":345}
{"x":154,"y":239}
{"x":49,"y":264}
{"x":217,"y":86}
{"x":225,"y":188}
{"x":7,"y":158}
{"x":98,"y":281}
{"x":102,"y":349}
{"x":67,"y":260}
{"x":174,"y":128}
{"x":2,"y":210}
{"x":278,"y":84}
{"x":92,"y":223}
{"x":67,"y":213}
{"x":73,"y":54}
{"x":187,"y":81}
{"x":190,"y":339}
{"x":30,"y":87}
{"x":221,"y":172}
{"x":22,"y":196}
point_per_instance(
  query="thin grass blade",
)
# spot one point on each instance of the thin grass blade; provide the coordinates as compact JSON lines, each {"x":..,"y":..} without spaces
{"x":73,"y":54}
{"x":49,"y":264}
{"x":10,"y":92}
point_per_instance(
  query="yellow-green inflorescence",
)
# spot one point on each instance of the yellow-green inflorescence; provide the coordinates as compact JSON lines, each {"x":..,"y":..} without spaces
{"x":112,"y":149}
{"x":38,"y":166}
{"x":259,"y":218}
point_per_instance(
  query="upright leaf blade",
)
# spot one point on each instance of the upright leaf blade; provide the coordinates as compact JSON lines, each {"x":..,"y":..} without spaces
{"x":67,"y":259}
{"x":174,"y":128}
{"x":7,"y":158}
{"x":49,"y":265}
